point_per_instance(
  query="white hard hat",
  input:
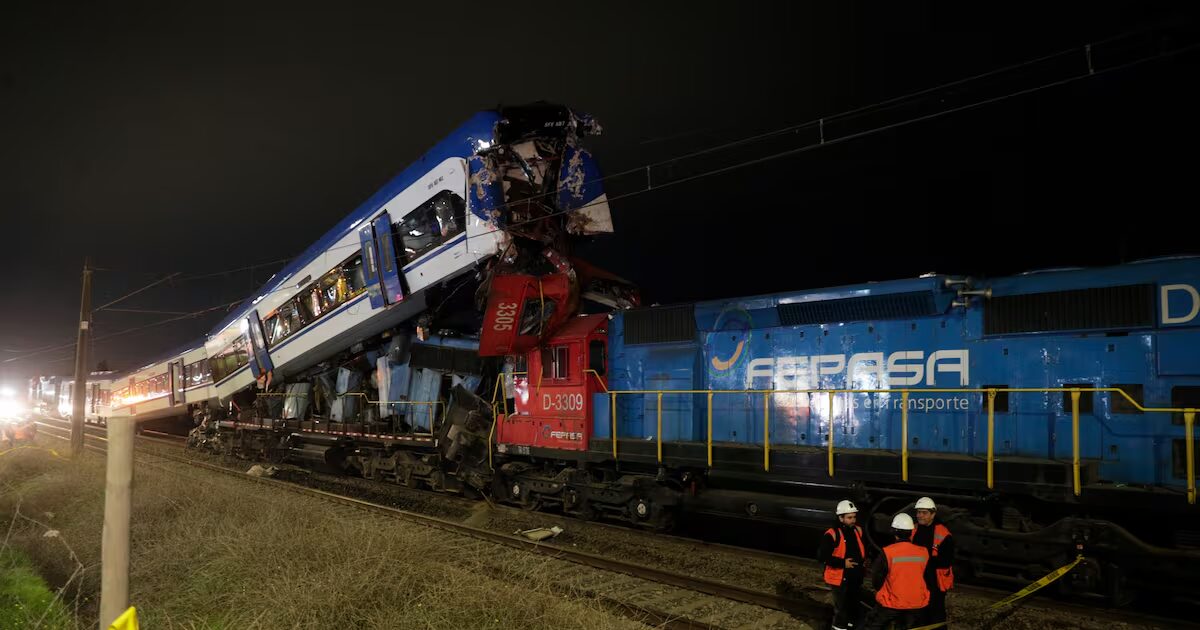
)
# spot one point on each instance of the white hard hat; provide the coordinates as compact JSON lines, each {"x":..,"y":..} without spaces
{"x":902,"y":521}
{"x":846,"y":507}
{"x":925,"y":503}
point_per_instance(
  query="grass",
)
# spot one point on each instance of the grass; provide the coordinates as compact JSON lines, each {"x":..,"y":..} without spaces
{"x":214,"y":552}
{"x":25,"y":599}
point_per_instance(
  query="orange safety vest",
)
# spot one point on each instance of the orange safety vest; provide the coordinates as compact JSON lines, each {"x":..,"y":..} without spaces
{"x":945,"y":577}
{"x":833,"y":576}
{"x":904,"y":588}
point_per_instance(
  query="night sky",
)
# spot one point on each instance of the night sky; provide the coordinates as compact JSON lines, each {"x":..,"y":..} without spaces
{"x":170,"y":139}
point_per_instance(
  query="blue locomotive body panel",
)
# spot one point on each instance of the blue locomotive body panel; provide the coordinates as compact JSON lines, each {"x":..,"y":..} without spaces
{"x":1133,"y":326}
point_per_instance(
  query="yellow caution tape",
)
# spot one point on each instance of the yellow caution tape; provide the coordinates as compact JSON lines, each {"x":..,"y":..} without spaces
{"x":36,"y":448}
{"x":1035,"y":586}
{"x":127,"y":620}
{"x":1050,"y":577}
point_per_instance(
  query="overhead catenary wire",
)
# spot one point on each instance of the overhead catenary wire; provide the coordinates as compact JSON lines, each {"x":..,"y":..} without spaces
{"x":1087,"y":70}
{"x":127,"y":331}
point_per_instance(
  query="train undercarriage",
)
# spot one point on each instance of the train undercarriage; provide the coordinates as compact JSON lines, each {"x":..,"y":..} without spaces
{"x":1003,"y":538}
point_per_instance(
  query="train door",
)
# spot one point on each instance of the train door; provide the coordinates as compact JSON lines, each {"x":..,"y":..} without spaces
{"x":175,"y":385}
{"x":389,"y":270}
{"x":366,"y":238}
{"x":380,"y":270}
{"x":260,"y":363}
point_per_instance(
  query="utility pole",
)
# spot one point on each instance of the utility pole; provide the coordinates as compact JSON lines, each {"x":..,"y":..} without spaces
{"x":81,"y":371}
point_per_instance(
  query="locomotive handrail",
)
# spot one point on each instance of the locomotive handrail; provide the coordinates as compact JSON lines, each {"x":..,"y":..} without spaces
{"x":990,"y":393}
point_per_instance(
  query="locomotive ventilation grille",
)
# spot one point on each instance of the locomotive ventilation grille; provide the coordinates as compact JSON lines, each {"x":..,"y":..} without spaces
{"x":1129,"y":306}
{"x":871,"y":307}
{"x":660,"y":325}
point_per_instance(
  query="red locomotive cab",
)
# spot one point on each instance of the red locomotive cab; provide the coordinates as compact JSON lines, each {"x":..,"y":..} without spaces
{"x":552,"y":402}
{"x":521,"y":310}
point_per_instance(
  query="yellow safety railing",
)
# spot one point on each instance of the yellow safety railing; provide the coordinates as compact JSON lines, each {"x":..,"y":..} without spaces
{"x":991,"y":453}
{"x":903,"y":438}
{"x":1189,"y":419}
{"x":830,"y":434}
{"x":989,"y":393}
{"x":434,"y":405}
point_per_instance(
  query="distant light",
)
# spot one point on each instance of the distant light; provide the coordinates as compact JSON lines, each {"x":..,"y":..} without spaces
{"x":484,"y":144}
{"x":7,"y":392}
{"x":11,"y":408}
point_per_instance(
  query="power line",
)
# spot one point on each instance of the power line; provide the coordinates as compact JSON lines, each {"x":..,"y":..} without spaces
{"x":128,"y":330}
{"x":135,"y":292}
{"x":822,"y":125}
{"x":143,"y":310}
{"x":229,"y":271}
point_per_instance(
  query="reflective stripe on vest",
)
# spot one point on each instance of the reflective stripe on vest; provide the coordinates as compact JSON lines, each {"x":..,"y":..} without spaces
{"x":833,"y":575}
{"x":904,"y":588}
{"x":945,"y":577}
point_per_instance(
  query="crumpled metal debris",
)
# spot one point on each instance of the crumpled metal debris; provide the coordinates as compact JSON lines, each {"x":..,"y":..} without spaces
{"x":540,"y":533}
{"x":259,"y":471}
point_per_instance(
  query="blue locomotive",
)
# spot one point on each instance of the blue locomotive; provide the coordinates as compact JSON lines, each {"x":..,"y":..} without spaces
{"x":1047,"y":410}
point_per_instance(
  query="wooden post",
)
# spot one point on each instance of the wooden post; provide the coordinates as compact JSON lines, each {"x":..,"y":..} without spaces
{"x":114,"y":551}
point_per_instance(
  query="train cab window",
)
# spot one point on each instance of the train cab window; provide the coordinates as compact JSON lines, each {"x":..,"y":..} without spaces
{"x":205,"y":372}
{"x":301,"y":311}
{"x":1122,"y":405}
{"x":352,"y":272}
{"x":272,"y":326}
{"x":227,"y":361}
{"x":534,"y":316}
{"x":418,"y":236}
{"x":432,"y":223}
{"x":290,"y":318}
{"x":1085,"y":398}
{"x":555,"y":362}
{"x":451,"y":213}
{"x":597,"y":356}
{"x":313,"y":299}
{"x":1185,"y":396}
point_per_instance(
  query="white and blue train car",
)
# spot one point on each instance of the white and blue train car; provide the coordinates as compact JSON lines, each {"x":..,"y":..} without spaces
{"x":165,"y":392}
{"x":434,"y":222}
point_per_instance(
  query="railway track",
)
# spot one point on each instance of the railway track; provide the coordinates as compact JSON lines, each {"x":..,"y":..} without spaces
{"x":654,"y":596}
{"x":776,"y":607}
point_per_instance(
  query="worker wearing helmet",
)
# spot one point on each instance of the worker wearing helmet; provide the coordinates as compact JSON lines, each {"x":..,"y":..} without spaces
{"x":843,"y":553}
{"x":931,"y":534}
{"x":899,"y":579}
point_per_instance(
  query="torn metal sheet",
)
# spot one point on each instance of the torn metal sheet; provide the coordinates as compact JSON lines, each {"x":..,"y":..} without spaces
{"x":540,"y":533}
{"x":581,"y":192}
